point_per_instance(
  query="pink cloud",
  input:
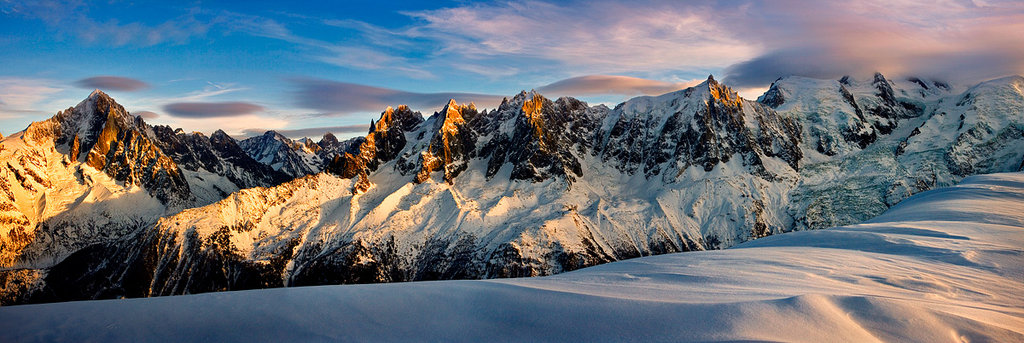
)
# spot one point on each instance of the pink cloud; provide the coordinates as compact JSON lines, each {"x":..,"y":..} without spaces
{"x":612,"y":84}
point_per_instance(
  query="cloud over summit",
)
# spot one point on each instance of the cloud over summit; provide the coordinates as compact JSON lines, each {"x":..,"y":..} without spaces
{"x":113,"y":83}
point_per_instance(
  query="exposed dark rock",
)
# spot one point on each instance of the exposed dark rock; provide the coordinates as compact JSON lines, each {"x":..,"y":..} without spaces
{"x":383,"y":143}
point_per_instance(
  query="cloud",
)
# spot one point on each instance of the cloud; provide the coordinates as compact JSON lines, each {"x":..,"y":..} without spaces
{"x":19,"y":96}
{"x":754,"y":42}
{"x":601,"y":36}
{"x":147,"y":114}
{"x":114,"y":83}
{"x":372,"y":54}
{"x":72,"y":18}
{"x":338,"y":98}
{"x":963,"y":41}
{"x":513,"y":38}
{"x":211,"y":109}
{"x":312,"y":131}
{"x":612,"y":84}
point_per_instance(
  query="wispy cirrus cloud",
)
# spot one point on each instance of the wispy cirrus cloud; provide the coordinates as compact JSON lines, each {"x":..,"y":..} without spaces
{"x":73,"y":18}
{"x":22,"y":96}
{"x":211,"y":109}
{"x":601,"y":36}
{"x":114,"y":83}
{"x":339,"y":98}
{"x":752,"y":42}
{"x":364,"y":54}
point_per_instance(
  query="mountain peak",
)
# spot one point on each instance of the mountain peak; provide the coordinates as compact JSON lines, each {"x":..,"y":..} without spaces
{"x":402,"y":117}
{"x":220,"y":134}
{"x":96,"y":97}
{"x":452,"y":114}
{"x":271,"y":134}
{"x":329,"y":138}
{"x":83,"y":122}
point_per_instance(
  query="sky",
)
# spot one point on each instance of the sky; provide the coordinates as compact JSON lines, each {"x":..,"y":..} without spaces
{"x":304,"y":69}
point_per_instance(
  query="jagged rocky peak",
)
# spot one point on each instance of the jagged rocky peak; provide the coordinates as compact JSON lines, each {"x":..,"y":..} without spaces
{"x":537,"y":136}
{"x":76,"y":129}
{"x":329,"y":146}
{"x":294,"y":158}
{"x":451,"y":144}
{"x":773,"y":97}
{"x":847,"y":114}
{"x":220,"y":137}
{"x":402,"y":117}
{"x":328,"y":140}
{"x":385,"y":140}
{"x":309,"y":145}
{"x":721,"y":93}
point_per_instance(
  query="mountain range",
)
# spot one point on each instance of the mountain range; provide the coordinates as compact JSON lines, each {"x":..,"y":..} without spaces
{"x":96,"y":203}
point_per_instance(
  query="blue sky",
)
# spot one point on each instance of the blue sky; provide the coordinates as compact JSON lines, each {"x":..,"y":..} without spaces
{"x":304,"y":69}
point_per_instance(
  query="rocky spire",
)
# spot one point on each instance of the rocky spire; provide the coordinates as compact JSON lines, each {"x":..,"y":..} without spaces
{"x":450,"y":144}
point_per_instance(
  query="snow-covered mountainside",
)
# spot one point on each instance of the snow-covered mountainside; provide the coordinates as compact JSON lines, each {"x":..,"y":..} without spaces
{"x":868,"y":145}
{"x":944,"y":265}
{"x":94,"y":173}
{"x":539,"y":186}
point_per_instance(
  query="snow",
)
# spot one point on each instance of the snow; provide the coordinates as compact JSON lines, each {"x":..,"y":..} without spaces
{"x":944,"y":265}
{"x":79,"y":204}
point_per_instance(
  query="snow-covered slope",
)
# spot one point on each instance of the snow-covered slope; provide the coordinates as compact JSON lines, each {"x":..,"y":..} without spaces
{"x":942,"y":266}
{"x":869,"y":144}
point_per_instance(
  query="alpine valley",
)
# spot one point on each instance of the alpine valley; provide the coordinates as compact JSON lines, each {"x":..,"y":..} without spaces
{"x":96,"y":203}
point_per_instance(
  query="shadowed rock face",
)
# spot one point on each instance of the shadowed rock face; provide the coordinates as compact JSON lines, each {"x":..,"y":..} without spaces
{"x":124,"y":153}
{"x":875,"y":114}
{"x":384,"y":142}
{"x":547,"y":138}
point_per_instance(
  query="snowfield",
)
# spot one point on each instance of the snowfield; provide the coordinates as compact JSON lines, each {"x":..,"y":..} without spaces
{"x":944,"y":265}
